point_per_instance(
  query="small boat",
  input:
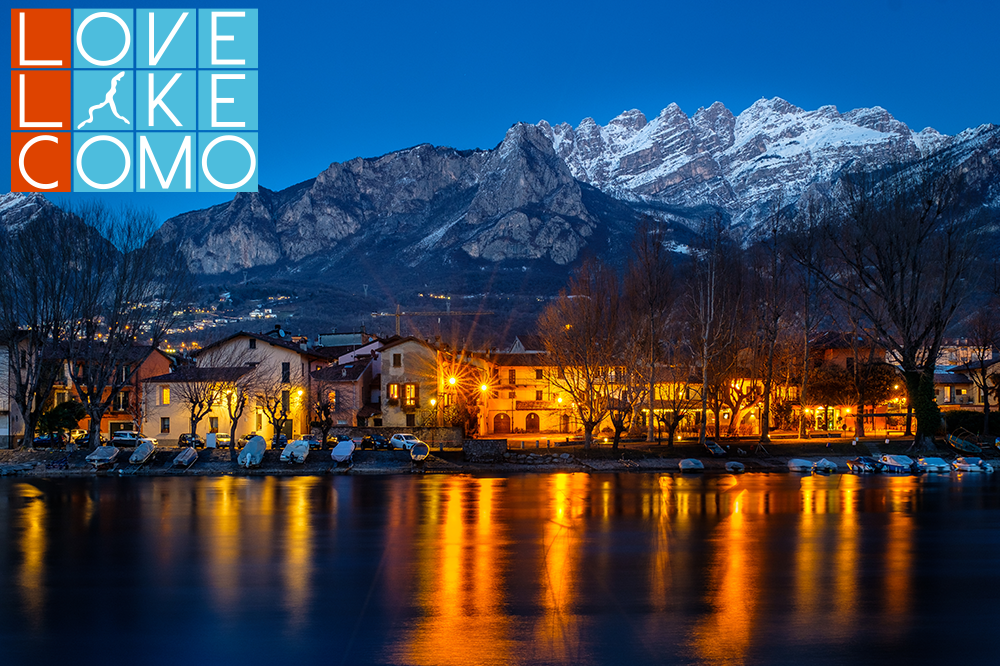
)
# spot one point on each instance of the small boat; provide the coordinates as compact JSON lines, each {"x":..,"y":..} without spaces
{"x":343,"y":451}
{"x":967,"y":464}
{"x":716,"y":450}
{"x":800,"y":465}
{"x":419,"y":452}
{"x":296,"y":451}
{"x":103,"y":456}
{"x":824,"y":466}
{"x":186,"y":457}
{"x":933,"y":465}
{"x":691,"y":465}
{"x":961,"y":441}
{"x":734,"y":467}
{"x":252,"y":452}
{"x":143,"y":452}
{"x":865,"y":465}
{"x":898,"y":464}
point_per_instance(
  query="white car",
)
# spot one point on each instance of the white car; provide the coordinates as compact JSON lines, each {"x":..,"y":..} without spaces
{"x":130,"y":438}
{"x":403,"y":441}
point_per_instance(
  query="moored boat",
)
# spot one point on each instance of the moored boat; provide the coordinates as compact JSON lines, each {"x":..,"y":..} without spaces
{"x":419,"y":452}
{"x":714,"y":449}
{"x":143,"y":452}
{"x":961,"y":441}
{"x":186,"y":457}
{"x":824,"y":466}
{"x":343,"y":451}
{"x":295,"y":451}
{"x":800,"y":465}
{"x":933,"y":465}
{"x":864,"y":465}
{"x":967,"y":464}
{"x":691,"y":465}
{"x":734,"y":467}
{"x":103,"y":456}
{"x":252,"y":452}
{"x":897,"y":464}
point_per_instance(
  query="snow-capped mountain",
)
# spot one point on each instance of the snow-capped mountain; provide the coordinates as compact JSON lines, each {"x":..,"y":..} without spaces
{"x":739,"y":164}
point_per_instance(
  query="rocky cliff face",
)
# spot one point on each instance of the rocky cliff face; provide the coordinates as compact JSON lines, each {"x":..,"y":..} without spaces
{"x":740,"y":164}
{"x":518,"y":201}
{"x":547,"y":194}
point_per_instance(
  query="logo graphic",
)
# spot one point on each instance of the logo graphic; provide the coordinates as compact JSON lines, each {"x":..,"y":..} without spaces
{"x":108,"y":99}
{"x":133,"y":100}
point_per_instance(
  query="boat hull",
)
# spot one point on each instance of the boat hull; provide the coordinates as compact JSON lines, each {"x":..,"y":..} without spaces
{"x":253,"y":453}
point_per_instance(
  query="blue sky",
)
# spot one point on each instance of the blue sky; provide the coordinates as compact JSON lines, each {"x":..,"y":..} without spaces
{"x":340,"y":80}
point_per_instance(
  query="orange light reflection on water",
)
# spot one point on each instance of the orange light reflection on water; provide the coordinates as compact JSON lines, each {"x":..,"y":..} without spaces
{"x":33,"y":544}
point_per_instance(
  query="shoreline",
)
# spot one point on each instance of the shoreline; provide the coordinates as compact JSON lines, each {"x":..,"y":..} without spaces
{"x":44,"y":463}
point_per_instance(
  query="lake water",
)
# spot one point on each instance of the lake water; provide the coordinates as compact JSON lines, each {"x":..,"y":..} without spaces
{"x":534,"y":569}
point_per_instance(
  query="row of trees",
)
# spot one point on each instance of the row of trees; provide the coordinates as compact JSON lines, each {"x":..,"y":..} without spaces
{"x":888,"y":261}
{"x":90,"y":289}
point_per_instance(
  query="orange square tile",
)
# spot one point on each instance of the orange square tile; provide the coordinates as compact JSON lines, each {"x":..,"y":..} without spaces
{"x":40,"y":164}
{"x":48,"y":38}
{"x":47,"y":99}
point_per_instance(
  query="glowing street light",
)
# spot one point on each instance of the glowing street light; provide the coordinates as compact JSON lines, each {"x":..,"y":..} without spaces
{"x":484,"y":388}
{"x":452,"y":380}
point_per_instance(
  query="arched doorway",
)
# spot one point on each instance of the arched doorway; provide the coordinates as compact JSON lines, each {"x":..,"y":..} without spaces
{"x":531,"y":423}
{"x":501,"y":424}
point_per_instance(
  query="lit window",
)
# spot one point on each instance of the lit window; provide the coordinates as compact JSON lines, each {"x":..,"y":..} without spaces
{"x":164,"y":395}
{"x":538,"y":395}
{"x":411,"y":395}
{"x":393,"y":391}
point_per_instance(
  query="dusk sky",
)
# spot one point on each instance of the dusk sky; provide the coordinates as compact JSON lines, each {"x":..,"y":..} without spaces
{"x":340,"y":80}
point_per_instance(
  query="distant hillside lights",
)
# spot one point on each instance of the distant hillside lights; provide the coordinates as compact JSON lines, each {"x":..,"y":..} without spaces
{"x":98,"y":92}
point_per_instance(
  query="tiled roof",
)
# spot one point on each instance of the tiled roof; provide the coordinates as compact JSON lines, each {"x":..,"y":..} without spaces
{"x":191,"y":373}
{"x":348,"y":372}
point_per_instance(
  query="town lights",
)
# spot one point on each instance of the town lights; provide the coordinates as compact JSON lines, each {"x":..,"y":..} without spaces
{"x":433,"y":401}
{"x":484,"y":388}
{"x":452,"y":380}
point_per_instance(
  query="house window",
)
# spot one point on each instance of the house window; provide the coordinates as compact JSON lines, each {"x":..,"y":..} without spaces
{"x":260,"y":422}
{"x":512,"y":376}
{"x":253,"y":344}
{"x":213,"y":423}
{"x":410,"y":395}
{"x":393,"y":391}
{"x":165,"y":425}
{"x":447,"y":399}
{"x":511,"y":394}
{"x":397,"y":360}
{"x":123,"y":374}
{"x":538,"y":395}
{"x":164,"y":395}
{"x":286,"y":373}
{"x":285,"y":401}
{"x":61,"y":397}
{"x":332,"y":399}
{"x":411,"y":420}
{"x":538,"y":374}
{"x":121,"y":401}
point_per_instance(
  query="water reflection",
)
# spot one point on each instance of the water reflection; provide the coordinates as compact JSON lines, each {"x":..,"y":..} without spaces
{"x":555,"y":569}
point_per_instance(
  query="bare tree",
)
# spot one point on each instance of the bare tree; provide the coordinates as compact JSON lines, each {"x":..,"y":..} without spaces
{"x":274,"y":395}
{"x":674,"y":391}
{"x":200,"y":390}
{"x":126,"y":289}
{"x":715,"y":291}
{"x":35,"y":306}
{"x":578,"y":331}
{"x":324,"y":406}
{"x":984,"y":339}
{"x":904,"y":253}
{"x":648,"y":294}
{"x":771,"y":289}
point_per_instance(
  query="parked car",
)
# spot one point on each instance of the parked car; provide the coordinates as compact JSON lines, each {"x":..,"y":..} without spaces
{"x":376,"y":442}
{"x":242,"y":441}
{"x":129,"y":438}
{"x":404,"y":441}
{"x":52,"y":439}
{"x":187,"y":439}
{"x":77,"y":435}
{"x":314,"y":442}
{"x":222,"y":440}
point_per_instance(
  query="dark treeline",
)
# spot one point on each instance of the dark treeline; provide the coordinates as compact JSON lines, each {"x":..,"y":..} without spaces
{"x":891,"y":262}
